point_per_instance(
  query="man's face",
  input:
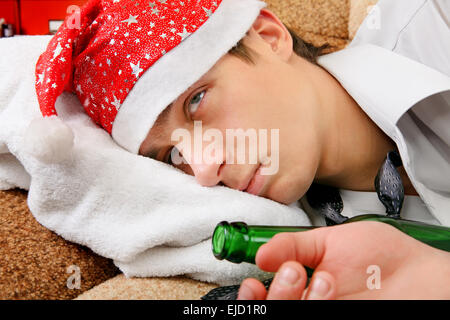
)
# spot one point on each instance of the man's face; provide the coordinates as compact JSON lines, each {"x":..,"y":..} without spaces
{"x":275,"y":93}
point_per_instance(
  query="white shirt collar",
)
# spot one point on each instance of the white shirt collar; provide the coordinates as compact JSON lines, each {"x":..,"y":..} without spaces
{"x":386,"y":85}
{"x":383,"y":83}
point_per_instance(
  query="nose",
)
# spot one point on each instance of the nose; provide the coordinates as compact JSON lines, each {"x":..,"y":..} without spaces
{"x":207,"y":174}
{"x":206,"y":171}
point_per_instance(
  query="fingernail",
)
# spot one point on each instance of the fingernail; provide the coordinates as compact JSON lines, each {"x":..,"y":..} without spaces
{"x":319,"y":289}
{"x":245,"y":293}
{"x":288,"y":276}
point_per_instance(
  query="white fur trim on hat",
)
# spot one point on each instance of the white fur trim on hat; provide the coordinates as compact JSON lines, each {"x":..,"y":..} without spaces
{"x":181,"y":67}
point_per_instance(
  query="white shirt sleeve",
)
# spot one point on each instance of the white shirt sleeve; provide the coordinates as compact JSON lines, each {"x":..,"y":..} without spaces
{"x":417,"y":29}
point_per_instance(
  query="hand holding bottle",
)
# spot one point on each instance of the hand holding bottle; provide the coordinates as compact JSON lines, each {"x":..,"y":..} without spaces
{"x":344,"y":258}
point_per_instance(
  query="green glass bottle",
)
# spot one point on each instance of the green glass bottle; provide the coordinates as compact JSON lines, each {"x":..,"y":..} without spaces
{"x":238,"y":242}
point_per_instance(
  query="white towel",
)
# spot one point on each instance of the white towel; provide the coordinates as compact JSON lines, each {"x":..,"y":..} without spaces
{"x":149,"y":217}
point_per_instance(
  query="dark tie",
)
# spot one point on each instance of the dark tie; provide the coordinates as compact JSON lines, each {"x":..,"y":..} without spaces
{"x":327,"y":201}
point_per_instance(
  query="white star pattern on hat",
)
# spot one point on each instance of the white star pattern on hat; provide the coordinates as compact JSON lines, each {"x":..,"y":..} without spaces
{"x":116,"y":103}
{"x":135,"y":33}
{"x":136,"y":69}
{"x":207,"y":11}
{"x":41,"y":78}
{"x":131,"y":19}
{"x":184,"y":34}
{"x":57,"y":50}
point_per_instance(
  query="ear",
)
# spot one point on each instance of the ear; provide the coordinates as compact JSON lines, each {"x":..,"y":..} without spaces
{"x":271,"y":30}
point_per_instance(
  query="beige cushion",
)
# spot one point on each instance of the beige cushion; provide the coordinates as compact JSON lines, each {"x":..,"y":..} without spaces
{"x":122,"y":288}
{"x":34,"y":260}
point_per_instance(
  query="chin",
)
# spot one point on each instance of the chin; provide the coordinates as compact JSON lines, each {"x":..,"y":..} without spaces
{"x":289,"y":192}
{"x":281,"y":197}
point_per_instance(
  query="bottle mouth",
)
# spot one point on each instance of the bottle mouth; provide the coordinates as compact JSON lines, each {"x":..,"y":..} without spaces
{"x":221,"y":232}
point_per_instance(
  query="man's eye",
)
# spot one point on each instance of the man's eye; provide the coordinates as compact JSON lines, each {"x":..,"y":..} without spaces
{"x":195,"y":102}
{"x":172,"y":151}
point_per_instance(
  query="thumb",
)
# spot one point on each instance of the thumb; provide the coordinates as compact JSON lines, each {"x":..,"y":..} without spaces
{"x":306,"y":247}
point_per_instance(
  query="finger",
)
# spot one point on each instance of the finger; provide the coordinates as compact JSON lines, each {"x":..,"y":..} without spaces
{"x":289,"y":282}
{"x":252,"y":289}
{"x":322,"y":287}
{"x":306,"y":247}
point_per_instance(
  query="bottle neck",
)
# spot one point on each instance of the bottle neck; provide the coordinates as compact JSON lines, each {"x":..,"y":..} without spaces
{"x":238,"y":242}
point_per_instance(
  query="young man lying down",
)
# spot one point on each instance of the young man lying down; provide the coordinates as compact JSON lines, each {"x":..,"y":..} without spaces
{"x":154,"y":75}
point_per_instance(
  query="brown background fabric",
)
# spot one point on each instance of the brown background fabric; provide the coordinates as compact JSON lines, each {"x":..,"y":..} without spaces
{"x":358,"y":11}
{"x":315,"y":21}
{"x":34,"y":260}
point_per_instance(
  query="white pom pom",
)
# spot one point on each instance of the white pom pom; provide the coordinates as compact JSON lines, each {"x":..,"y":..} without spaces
{"x":48,"y":139}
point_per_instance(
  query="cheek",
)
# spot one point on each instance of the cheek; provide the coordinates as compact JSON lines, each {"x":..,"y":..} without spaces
{"x":298,"y":158}
{"x":242,"y":99}
{"x":233,"y":108}
{"x":298,"y":155}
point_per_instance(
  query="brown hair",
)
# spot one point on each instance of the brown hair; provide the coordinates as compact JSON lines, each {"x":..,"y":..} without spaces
{"x":302,"y":48}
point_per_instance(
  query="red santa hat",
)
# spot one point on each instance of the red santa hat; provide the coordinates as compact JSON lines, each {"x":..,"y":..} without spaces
{"x":127,"y":60}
